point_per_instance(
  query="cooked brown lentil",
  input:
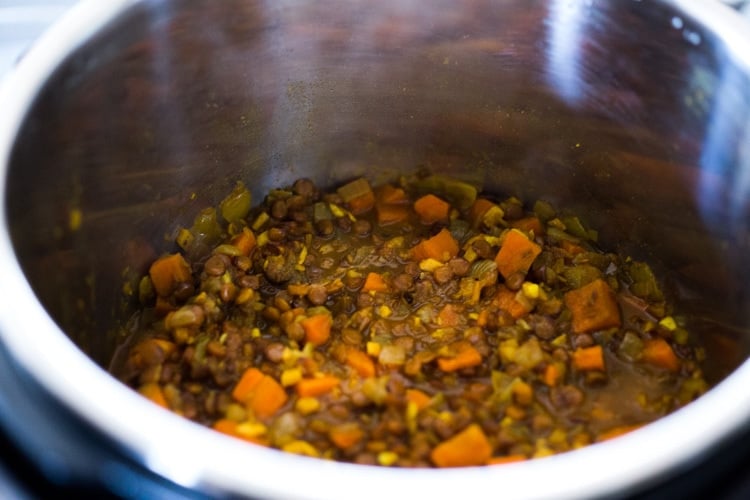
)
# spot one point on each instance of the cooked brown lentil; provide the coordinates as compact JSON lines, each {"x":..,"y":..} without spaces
{"x":377,"y":333}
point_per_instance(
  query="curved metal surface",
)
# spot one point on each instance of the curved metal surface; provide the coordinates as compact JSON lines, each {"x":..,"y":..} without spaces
{"x":136,"y":114}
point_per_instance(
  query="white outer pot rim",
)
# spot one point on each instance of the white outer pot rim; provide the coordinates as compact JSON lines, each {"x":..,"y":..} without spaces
{"x":196,"y":457}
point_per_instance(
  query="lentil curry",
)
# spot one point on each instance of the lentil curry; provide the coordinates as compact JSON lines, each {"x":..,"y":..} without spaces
{"x":416,"y":324}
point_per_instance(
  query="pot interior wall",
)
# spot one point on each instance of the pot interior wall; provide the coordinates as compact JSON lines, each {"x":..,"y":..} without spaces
{"x":612,"y":110}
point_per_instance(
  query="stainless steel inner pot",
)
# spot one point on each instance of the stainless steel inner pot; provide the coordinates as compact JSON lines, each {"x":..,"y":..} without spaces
{"x":130,"y":116}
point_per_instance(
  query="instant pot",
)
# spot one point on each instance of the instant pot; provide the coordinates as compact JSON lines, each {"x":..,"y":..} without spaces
{"x":128,"y":117}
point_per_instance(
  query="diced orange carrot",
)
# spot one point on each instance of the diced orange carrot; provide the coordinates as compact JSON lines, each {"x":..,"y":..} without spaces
{"x":358,"y":195}
{"x":617,"y":432}
{"x":506,"y":300}
{"x":391,"y":195}
{"x":153,"y":392}
{"x":361,"y":362}
{"x":346,"y":435}
{"x":483,"y":318}
{"x":468,"y":447}
{"x":317,"y":328}
{"x":420,"y":399}
{"x":507,"y":459}
{"x":441,"y":247}
{"x":551,"y":375}
{"x":432,"y":209}
{"x":245,"y":241}
{"x":588,"y":358}
{"x":245,"y":388}
{"x":375,"y":283}
{"x":466,"y":356}
{"x":163,"y":306}
{"x":659,"y":353}
{"x":476,"y":213}
{"x":312,"y":387}
{"x":572,"y":248}
{"x":168,"y":271}
{"x":517,"y":253}
{"x":362,"y":204}
{"x":391,"y":213}
{"x":593,"y":307}
{"x":391,"y":204}
{"x":267,"y":397}
{"x":529,"y":225}
{"x":225,"y":426}
{"x":448,"y":316}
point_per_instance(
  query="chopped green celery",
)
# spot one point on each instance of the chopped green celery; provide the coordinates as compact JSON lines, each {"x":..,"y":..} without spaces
{"x":145,"y":290}
{"x":354,"y":189}
{"x":573,"y":226}
{"x":544,"y":210}
{"x":321,"y":212}
{"x":631,"y":346}
{"x":184,"y":238}
{"x":578,"y":276}
{"x":461,"y":195}
{"x":644,"y":282}
{"x":206,"y":224}
{"x":460,"y":229}
{"x":556,"y":234}
{"x":237,"y":204}
{"x":599,"y":260}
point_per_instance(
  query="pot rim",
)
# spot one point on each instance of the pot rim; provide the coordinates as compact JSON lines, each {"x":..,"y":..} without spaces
{"x":157,"y":437}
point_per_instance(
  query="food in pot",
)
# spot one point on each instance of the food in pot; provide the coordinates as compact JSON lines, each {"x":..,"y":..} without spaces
{"x":418,"y":323}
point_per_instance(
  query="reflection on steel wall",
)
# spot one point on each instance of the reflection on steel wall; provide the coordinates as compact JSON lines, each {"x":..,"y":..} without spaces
{"x":21,"y":22}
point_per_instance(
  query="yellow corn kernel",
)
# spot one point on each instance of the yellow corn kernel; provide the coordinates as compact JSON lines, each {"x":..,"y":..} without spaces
{"x":301,"y":448}
{"x":384,"y":311}
{"x":291,"y":376}
{"x":530,"y":290}
{"x":351,"y":273}
{"x":492,"y":240}
{"x":75,"y":217}
{"x":515,"y":412}
{"x":373,"y":348}
{"x":506,"y":422}
{"x":336,"y":210}
{"x":307,"y":406}
{"x":245,"y":295}
{"x":523,"y":324}
{"x":580,"y":440}
{"x":262,"y":239}
{"x":260,"y":221}
{"x":412,"y":410}
{"x":523,"y":393}
{"x":470,"y":255}
{"x":235,"y":412}
{"x":184,"y":238}
{"x":445,"y":416}
{"x":429,"y":265}
{"x":669,"y":323}
{"x":251,"y":429}
{"x":558,"y":437}
{"x":507,"y":349}
{"x":560,"y":340}
{"x":542,"y":450}
{"x":302,"y":256}
{"x":387,"y":458}
{"x":255,"y":333}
